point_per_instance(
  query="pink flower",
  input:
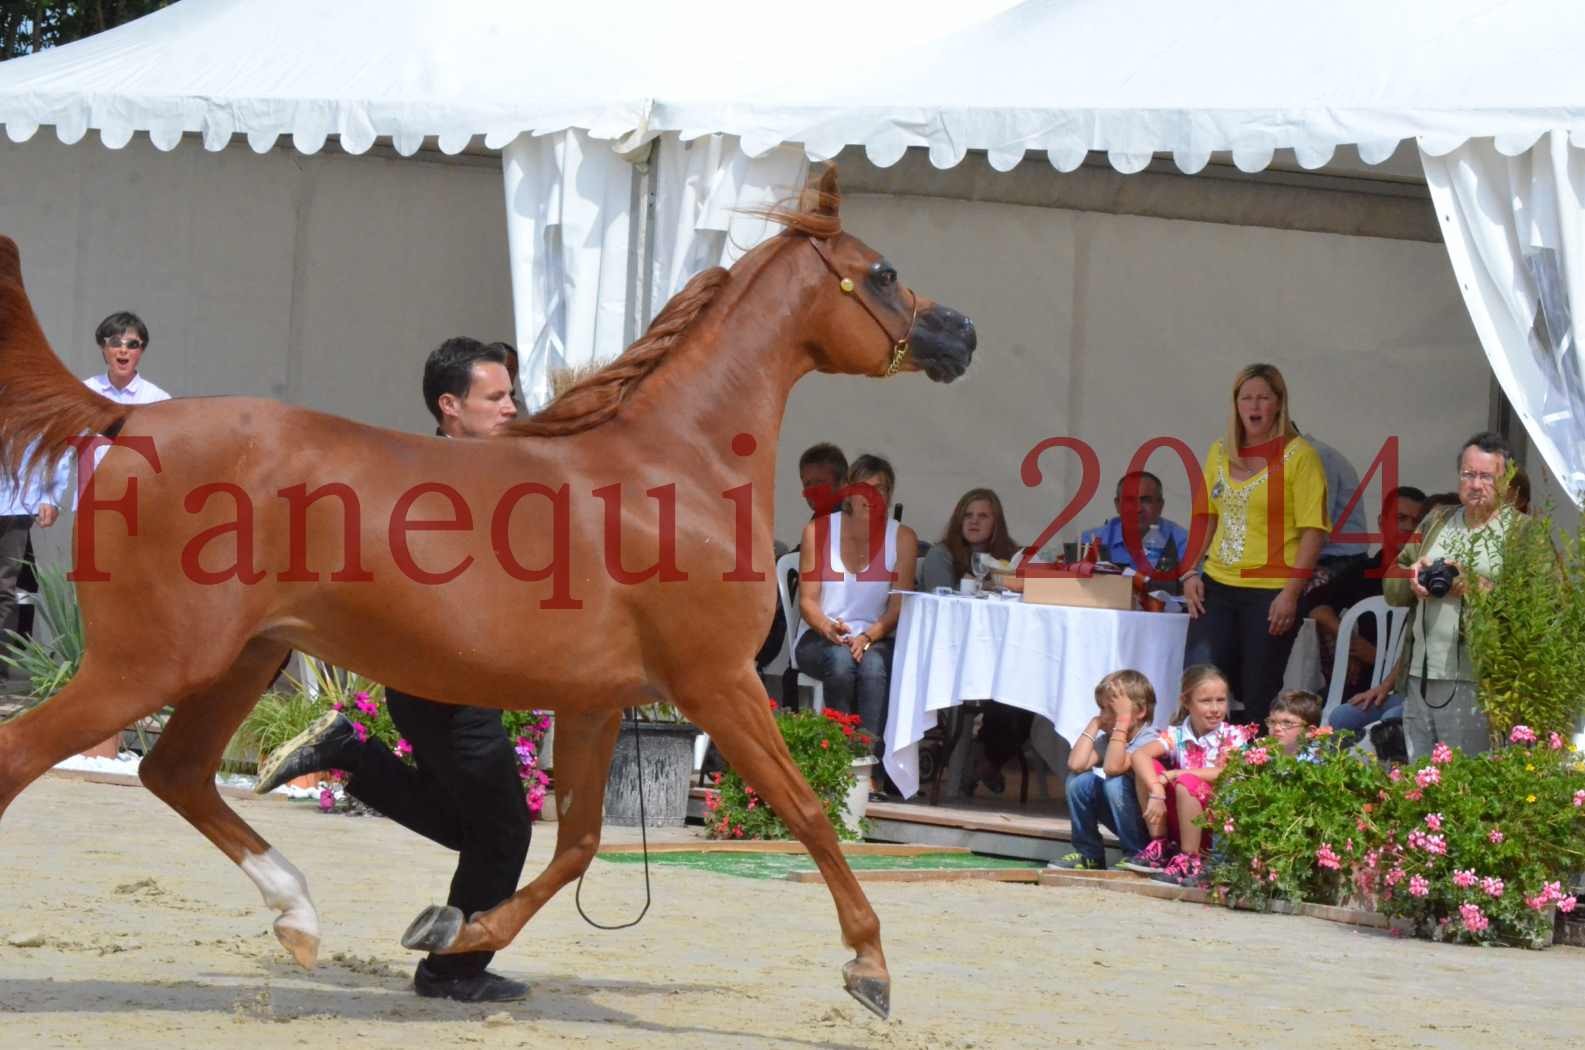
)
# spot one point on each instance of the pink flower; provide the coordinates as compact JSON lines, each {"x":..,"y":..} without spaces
{"x":1395,"y":876}
{"x":337,"y":706}
{"x":1492,"y":886}
{"x":360,"y":731}
{"x":1566,"y":904}
{"x":327,"y":800}
{"x":365,"y":705}
{"x":1428,"y":776}
{"x":1257,"y":756}
{"x":1413,"y":796}
{"x":1464,"y":879}
{"x":1579,"y":797}
{"x":1418,"y":886}
{"x":1271,"y":875}
{"x":403,"y":748}
{"x":1227,"y":826}
{"x":1441,"y":754}
{"x":1554,"y":741}
{"x":1521,"y":735}
{"x":1326,"y":858}
{"x":1475,"y":920}
{"x":1433,"y":821}
{"x":1496,"y":837}
{"x":1395,"y":774}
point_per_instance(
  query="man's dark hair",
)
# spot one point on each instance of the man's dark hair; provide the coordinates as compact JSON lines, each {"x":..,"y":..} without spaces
{"x":1143,"y":476}
{"x":119,"y":322}
{"x":1489,"y":442}
{"x":1405,"y":492}
{"x":825,"y":454}
{"x":449,"y":369}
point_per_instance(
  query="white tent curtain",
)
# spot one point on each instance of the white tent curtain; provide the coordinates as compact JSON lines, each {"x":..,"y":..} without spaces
{"x":702,"y":190}
{"x":568,"y":207}
{"x":1515,"y":232}
{"x":570,"y":237}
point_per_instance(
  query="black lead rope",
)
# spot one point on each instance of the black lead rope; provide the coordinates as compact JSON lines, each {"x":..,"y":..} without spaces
{"x":643,"y":834}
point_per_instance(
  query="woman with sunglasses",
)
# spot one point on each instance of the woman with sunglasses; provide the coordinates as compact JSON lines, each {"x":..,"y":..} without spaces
{"x":122,"y":338}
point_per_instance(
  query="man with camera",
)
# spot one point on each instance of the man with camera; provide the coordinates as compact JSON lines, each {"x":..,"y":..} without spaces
{"x":1461,"y":547}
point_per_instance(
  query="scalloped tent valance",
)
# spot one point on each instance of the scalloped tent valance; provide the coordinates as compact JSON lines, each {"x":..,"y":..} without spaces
{"x":1129,"y":78}
{"x":411,"y":70}
{"x":1136,"y":78}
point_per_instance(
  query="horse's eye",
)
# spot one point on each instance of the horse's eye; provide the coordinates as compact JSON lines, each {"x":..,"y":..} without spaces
{"x":888,"y":276}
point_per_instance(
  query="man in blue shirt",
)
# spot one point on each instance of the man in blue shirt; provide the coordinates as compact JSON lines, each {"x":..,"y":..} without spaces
{"x":1156,"y":533}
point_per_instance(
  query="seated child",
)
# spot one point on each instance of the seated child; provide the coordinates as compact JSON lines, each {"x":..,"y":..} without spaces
{"x":1293,"y":715}
{"x":1100,"y":776}
{"x":1175,"y":772}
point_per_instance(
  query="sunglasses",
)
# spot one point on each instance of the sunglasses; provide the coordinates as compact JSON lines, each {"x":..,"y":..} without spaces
{"x":130,"y":344}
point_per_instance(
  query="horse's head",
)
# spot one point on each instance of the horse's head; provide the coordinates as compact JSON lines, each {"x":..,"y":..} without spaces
{"x":871,"y":323}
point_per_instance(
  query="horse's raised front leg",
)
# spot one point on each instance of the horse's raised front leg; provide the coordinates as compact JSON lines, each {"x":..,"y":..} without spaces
{"x":181,"y":772}
{"x":584,"y":742}
{"x":739,"y":720}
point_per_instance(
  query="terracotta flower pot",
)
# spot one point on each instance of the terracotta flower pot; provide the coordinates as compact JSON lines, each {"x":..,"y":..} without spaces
{"x":108,"y":748}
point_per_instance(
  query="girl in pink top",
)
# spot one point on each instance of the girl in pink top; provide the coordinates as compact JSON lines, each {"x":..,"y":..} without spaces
{"x":1175,"y":774}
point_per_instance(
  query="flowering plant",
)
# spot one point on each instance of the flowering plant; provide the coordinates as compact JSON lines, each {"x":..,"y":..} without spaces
{"x":1480,"y":848}
{"x":1475,"y":848}
{"x":1289,"y":827}
{"x":824,"y":746}
{"x":279,"y":717}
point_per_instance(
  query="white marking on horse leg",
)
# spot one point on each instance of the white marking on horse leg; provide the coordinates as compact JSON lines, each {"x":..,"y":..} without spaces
{"x":284,"y":889}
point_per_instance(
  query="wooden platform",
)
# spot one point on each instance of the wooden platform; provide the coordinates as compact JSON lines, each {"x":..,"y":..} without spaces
{"x":999,"y":827}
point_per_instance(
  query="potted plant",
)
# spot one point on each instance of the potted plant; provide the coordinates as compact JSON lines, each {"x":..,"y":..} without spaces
{"x":50,"y":661}
{"x":1525,"y":632}
{"x":654,"y":755}
{"x":833,"y":754}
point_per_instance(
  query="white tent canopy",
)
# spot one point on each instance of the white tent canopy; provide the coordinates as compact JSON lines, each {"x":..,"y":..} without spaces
{"x":413,"y":69}
{"x":1132,"y":78}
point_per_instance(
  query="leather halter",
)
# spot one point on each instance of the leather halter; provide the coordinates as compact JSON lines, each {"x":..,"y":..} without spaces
{"x":899,"y":346}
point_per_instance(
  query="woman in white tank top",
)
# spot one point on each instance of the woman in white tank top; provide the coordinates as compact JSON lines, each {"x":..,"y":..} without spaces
{"x":846,"y":598}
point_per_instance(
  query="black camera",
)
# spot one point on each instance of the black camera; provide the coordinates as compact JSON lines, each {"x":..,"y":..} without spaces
{"x":1437,"y":578}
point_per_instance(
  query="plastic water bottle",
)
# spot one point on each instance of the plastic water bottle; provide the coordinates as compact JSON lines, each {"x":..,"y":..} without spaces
{"x":1154,"y":540}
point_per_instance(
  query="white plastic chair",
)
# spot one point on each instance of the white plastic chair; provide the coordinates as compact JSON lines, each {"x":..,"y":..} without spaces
{"x":786,"y":573}
{"x":1391,"y":622}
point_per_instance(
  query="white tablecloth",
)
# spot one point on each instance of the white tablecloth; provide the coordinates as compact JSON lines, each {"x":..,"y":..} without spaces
{"x":1041,"y":658}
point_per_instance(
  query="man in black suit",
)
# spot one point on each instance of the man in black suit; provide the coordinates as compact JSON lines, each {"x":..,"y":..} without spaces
{"x":463,"y":791}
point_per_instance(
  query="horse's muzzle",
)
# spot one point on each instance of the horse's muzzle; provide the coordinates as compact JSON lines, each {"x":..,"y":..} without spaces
{"x":943,"y":343}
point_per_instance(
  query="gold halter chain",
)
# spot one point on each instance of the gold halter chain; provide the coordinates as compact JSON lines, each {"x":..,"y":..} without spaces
{"x":900,"y":347}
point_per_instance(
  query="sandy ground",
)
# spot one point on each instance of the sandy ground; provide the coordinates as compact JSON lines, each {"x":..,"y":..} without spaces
{"x":152,"y":940}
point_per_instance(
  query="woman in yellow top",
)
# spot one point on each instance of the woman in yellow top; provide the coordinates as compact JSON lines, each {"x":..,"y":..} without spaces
{"x":1244,"y":598}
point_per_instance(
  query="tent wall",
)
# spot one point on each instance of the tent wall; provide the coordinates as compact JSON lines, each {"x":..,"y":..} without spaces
{"x":322,"y":280}
{"x":1119,"y":328}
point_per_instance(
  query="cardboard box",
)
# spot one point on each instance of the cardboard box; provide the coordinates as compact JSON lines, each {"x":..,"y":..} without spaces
{"x":1094,"y":592}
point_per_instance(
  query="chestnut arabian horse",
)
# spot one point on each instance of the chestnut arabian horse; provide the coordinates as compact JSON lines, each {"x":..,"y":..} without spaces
{"x":219,"y":534}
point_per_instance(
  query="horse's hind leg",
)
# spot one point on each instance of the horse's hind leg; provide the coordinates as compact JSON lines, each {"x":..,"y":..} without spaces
{"x":584,"y":742}
{"x":96,"y":704}
{"x":181,"y":771}
{"x":738,"y":719}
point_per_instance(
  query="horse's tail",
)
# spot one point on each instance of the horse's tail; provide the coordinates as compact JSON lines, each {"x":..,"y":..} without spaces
{"x":42,"y":405}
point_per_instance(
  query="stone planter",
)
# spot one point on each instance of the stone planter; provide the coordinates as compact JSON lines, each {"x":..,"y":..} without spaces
{"x":667,"y":767}
{"x":858,"y":800}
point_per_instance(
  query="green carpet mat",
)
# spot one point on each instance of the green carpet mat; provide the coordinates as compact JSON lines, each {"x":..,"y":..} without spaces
{"x":778,"y":865}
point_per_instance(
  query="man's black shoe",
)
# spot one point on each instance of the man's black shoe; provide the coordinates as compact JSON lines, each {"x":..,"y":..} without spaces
{"x":323,"y":745}
{"x":482,"y":987}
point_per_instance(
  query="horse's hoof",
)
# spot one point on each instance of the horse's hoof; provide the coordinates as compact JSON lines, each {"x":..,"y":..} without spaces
{"x":874,"y":992}
{"x":303,"y":946}
{"x":435,"y":929}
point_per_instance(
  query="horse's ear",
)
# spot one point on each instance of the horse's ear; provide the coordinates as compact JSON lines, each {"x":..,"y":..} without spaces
{"x":828,"y":199}
{"x":10,"y":261}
